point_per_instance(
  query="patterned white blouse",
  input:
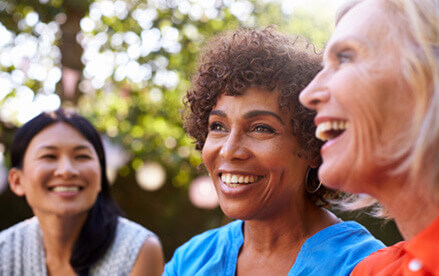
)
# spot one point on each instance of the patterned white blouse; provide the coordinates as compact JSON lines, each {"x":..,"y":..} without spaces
{"x":22,"y":250}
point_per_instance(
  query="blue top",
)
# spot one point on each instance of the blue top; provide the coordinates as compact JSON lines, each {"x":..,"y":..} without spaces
{"x":334,"y":250}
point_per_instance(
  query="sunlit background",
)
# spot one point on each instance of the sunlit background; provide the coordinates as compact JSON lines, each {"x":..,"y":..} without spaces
{"x":125,"y":65}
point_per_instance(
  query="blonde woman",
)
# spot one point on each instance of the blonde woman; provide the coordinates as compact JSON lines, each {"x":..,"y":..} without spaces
{"x":377,"y":103}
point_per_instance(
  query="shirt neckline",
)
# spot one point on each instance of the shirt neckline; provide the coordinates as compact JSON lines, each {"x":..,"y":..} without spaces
{"x":317,"y":238}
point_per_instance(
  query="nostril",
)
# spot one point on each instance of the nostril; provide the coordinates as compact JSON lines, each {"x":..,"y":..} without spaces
{"x":314,"y":102}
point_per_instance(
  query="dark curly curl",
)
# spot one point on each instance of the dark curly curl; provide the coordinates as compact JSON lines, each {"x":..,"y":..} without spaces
{"x":266,"y":59}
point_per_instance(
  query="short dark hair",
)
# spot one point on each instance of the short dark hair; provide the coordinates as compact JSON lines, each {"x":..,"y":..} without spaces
{"x":99,"y":230}
{"x":266,"y":59}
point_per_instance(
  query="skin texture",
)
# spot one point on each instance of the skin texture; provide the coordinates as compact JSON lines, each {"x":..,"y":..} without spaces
{"x":68,"y":161}
{"x":242,"y":143}
{"x":250,"y":135}
{"x":234,"y":61}
{"x":50,"y":161}
{"x":362,"y":83}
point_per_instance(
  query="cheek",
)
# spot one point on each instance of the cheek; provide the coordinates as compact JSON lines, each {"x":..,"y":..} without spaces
{"x":37,"y":175}
{"x":281,"y":157}
{"x":372,"y":110}
{"x":208,"y":155}
{"x":93,"y":174}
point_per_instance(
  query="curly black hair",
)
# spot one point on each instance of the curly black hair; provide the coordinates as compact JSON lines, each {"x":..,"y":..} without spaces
{"x":266,"y":59}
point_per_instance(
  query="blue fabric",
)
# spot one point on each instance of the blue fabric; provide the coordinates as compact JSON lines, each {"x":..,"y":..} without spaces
{"x":333,"y":251}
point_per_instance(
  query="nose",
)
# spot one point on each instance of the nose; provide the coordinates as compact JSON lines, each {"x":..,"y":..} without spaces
{"x":316,"y":93}
{"x":65,"y":168}
{"x":233,"y":147}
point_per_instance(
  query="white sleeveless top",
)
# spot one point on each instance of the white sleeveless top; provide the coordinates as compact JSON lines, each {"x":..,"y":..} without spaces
{"x":22,"y":250}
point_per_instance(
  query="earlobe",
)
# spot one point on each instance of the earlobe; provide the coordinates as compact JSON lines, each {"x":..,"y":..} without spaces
{"x":14,"y":179}
{"x":315,"y":163}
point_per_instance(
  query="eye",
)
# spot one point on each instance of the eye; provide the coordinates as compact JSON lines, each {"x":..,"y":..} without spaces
{"x":83,"y":156}
{"x":216,"y":126}
{"x":263,"y":129}
{"x":344,"y":56}
{"x":48,"y":156}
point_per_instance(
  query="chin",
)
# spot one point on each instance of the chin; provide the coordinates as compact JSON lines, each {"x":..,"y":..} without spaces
{"x":329,"y":177}
{"x":333,"y":180}
{"x":235,"y":211}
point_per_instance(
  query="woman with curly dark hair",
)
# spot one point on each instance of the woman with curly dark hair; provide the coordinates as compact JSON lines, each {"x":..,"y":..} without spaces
{"x":258,"y":144}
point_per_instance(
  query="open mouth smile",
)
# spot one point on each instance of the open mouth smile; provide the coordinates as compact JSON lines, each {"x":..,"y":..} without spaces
{"x":65,"y":189}
{"x":331,"y":129}
{"x":234,"y":180}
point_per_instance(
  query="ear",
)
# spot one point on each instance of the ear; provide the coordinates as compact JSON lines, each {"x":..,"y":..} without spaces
{"x":314,"y":163}
{"x":15,"y":181}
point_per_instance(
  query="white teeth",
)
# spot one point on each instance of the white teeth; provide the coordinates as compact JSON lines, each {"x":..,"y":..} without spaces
{"x":233,"y":180}
{"x":323,"y":129}
{"x":65,"y":189}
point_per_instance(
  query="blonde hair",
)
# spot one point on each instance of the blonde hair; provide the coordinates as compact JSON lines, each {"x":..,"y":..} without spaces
{"x":417,"y":27}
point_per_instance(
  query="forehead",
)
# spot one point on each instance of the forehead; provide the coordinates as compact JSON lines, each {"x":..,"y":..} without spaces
{"x":367,"y":21}
{"x":252,"y":97}
{"x":59,"y":135}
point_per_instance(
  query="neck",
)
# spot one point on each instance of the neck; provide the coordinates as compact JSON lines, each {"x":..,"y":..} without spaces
{"x":277,"y":236}
{"x":59,"y":236}
{"x":411,"y":205}
{"x":287,"y":230}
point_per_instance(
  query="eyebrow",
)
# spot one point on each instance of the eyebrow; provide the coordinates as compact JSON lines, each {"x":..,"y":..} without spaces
{"x":250,"y":114}
{"x":79,"y":147}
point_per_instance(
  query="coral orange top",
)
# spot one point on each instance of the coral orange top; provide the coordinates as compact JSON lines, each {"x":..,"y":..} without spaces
{"x":419,"y":256}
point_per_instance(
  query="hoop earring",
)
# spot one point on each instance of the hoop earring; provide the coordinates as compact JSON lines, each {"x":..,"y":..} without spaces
{"x":308,"y":186}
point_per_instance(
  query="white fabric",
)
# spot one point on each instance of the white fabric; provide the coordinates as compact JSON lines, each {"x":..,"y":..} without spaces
{"x":22,"y":250}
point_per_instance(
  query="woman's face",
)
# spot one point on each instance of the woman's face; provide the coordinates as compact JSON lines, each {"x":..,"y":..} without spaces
{"x":363,"y":104}
{"x":61,"y":173}
{"x":252,"y":156}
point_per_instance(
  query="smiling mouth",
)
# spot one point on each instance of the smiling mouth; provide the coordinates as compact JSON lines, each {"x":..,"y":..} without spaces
{"x":65,"y":189}
{"x":234,"y":180}
{"x":330,"y":130}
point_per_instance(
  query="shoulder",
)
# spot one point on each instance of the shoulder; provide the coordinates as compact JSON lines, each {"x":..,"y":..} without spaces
{"x":127,"y":226}
{"x":150,"y":260}
{"x":212,"y":238}
{"x":18,"y":230}
{"x":21,"y":248}
{"x":381,"y":259}
{"x":131,"y":234}
{"x":125,"y":249}
{"x":204,"y":247}
{"x":351,"y":237}
{"x":349,"y":233}
{"x":338,"y":247}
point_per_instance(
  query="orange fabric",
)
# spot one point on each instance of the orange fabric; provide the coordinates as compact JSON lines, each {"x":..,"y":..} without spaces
{"x":419,"y":256}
